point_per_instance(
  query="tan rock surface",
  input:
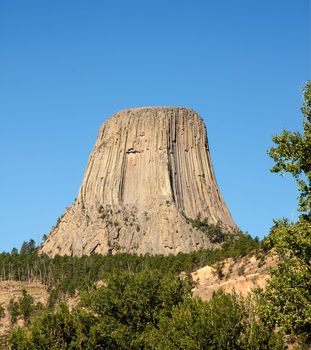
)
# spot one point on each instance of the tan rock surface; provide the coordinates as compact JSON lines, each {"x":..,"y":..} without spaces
{"x":239,"y":276}
{"x":150,"y":168}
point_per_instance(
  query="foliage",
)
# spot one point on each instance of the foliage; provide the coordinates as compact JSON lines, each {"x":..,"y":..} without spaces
{"x":131,"y":304}
{"x":113,"y":317}
{"x":26,"y":306}
{"x":28,"y":247}
{"x":123,"y":315}
{"x":219,"y":271}
{"x":225,"y":322}
{"x":215,"y":232}
{"x":292,"y":154}
{"x":55,"y":330}
{"x":286,"y":302}
{"x":13,"y":310}
{"x":2,"y":312}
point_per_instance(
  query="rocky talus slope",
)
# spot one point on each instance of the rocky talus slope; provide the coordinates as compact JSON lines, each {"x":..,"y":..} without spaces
{"x":150,"y":169}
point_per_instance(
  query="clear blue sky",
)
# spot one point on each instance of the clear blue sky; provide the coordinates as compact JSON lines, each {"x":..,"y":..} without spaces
{"x":66,"y":66}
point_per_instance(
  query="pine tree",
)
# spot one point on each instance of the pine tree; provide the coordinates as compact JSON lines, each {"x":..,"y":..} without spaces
{"x":26,"y":306}
{"x":13,"y":310}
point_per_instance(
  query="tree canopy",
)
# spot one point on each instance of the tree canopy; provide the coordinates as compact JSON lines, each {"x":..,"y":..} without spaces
{"x":292,"y":153}
{"x":286,"y":302}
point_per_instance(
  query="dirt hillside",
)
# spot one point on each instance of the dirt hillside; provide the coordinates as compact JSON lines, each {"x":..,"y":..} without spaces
{"x":240,"y":276}
{"x":13,"y":289}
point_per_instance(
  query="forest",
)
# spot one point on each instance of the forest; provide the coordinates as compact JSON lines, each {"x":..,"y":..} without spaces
{"x":145,"y":302}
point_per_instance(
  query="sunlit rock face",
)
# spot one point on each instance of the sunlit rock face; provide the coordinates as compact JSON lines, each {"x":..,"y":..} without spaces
{"x":149,"y":171}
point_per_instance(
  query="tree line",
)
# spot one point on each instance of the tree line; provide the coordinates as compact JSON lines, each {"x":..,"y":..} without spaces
{"x":67,"y":274}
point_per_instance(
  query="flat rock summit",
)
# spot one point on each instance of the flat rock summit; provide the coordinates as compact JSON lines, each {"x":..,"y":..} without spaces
{"x":149,"y":174}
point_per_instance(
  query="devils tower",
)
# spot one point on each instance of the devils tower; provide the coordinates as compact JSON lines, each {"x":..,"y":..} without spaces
{"x":150,"y":172}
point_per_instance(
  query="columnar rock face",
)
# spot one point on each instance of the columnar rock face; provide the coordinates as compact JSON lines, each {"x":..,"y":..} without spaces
{"x":150,"y":171}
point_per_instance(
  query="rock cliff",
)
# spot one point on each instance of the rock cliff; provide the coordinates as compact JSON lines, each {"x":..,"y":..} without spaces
{"x":149,"y":171}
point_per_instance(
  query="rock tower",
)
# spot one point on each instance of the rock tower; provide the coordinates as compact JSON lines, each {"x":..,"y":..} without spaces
{"x":148,"y":175}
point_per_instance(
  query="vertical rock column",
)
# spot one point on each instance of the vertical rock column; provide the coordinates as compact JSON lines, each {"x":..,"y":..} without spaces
{"x":150,"y":168}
